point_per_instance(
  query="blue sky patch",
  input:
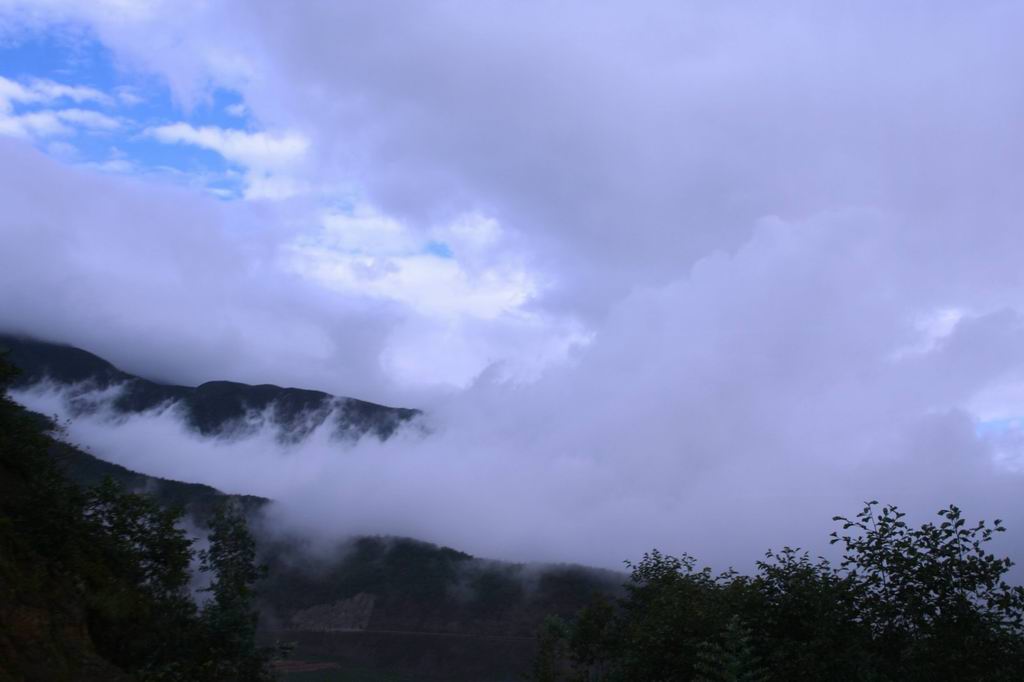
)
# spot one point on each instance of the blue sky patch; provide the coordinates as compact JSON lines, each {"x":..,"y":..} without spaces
{"x":439,"y":249}
{"x":998,"y":427}
{"x":137,"y":101}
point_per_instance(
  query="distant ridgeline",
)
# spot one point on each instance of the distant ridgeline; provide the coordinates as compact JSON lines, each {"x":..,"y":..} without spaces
{"x":214,"y":408}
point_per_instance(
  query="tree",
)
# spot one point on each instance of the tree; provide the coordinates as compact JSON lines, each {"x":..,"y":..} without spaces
{"x":112,"y":571}
{"x":802,"y":615}
{"x":934,"y":599}
{"x":549,"y":662}
{"x":729,"y":658}
{"x":230,"y":615}
{"x":154,"y":626}
{"x":926,"y":603}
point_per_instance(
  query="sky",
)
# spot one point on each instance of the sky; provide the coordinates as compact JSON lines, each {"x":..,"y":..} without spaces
{"x":688,"y":275}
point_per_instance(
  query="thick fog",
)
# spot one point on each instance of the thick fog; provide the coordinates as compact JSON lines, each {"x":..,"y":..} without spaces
{"x":581,"y":467}
{"x":716,"y":273}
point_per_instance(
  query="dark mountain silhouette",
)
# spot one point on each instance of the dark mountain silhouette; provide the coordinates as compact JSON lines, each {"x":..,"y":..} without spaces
{"x":214,"y":408}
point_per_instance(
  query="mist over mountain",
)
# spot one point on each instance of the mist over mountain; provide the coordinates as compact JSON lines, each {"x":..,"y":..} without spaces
{"x":387,"y":607}
{"x":215,"y":408}
{"x":536,"y":282}
{"x":482,"y":477}
{"x":672,"y":274}
{"x":377,"y":604}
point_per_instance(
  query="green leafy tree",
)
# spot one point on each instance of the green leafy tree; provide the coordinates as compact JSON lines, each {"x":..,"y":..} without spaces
{"x":229,"y":614}
{"x":593,"y":639}
{"x":730,"y":657}
{"x":804,"y":619}
{"x":154,"y":625}
{"x":905,"y":603}
{"x":670,"y":611}
{"x":549,"y":663}
{"x":934,"y":598}
{"x":111,"y":571}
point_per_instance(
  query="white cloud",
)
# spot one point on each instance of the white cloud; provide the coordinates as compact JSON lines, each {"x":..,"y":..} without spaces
{"x":55,"y":122}
{"x":470,"y":234}
{"x":272,"y":186}
{"x":931,"y":327}
{"x":268,"y":158}
{"x":429,"y":284}
{"x":466,"y":311}
{"x":86,"y":118}
{"x":365,"y":231}
{"x":254,"y":150}
{"x":365,"y":253}
{"x":33,"y":124}
{"x":48,"y":122}
{"x":48,"y":91}
{"x":792,"y":237}
{"x":121,"y":166}
{"x":12,"y":91}
{"x":60,"y":149}
{"x":128,"y":96}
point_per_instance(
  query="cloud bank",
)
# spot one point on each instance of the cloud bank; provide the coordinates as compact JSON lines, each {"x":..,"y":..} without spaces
{"x":669,"y":275}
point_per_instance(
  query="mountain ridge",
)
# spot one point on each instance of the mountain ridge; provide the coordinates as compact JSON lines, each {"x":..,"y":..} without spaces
{"x":212,"y":408}
{"x":390,"y":606}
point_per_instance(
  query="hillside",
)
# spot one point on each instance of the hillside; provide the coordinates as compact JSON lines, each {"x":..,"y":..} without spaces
{"x":97,"y":583}
{"x":391,"y":607}
{"x":45,"y":629}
